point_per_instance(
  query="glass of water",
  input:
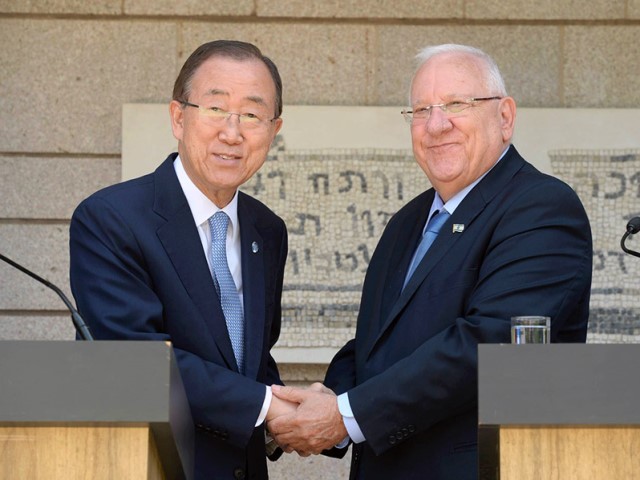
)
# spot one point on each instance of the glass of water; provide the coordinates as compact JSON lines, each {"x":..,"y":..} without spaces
{"x":530,"y":329}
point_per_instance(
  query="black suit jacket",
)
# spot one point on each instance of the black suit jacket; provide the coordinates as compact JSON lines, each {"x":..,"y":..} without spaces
{"x":138,"y":271}
{"x":411,"y":371}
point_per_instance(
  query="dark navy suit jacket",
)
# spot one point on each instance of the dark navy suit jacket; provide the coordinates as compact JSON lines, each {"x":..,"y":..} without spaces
{"x":411,"y":370}
{"x":138,"y":271}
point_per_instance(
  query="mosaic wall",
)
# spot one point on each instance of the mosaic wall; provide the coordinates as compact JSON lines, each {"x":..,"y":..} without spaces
{"x":608,"y":184}
{"x":337,"y":203}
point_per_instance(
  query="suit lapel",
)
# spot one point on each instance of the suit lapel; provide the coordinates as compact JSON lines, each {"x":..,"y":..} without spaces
{"x":397,"y":256}
{"x":406,"y":241}
{"x":179,"y":236}
{"x":253,"y":287}
{"x":473,"y":204}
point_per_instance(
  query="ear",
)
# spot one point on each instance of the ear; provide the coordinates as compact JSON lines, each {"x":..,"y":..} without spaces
{"x":277,"y":126}
{"x":176,"y":112}
{"x":507,"y":117}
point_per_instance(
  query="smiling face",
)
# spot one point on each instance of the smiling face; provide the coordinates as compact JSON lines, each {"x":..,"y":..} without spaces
{"x":220,"y":157}
{"x":455,"y":150}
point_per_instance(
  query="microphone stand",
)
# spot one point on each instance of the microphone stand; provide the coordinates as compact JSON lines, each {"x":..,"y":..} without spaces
{"x":78,"y":322}
{"x":630,"y":252}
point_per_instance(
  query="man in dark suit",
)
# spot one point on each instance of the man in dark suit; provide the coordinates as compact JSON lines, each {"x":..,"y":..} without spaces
{"x":513,"y":241}
{"x":180,"y":255}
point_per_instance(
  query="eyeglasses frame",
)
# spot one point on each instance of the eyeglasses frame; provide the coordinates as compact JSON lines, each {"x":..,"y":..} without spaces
{"x":227,"y":115}
{"x":408,"y":113}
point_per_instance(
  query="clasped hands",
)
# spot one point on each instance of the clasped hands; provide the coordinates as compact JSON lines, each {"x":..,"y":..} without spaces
{"x":306,"y":420}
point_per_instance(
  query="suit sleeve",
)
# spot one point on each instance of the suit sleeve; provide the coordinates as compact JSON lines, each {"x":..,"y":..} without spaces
{"x":536,"y":257}
{"x":120,"y":300}
{"x":341,"y":375}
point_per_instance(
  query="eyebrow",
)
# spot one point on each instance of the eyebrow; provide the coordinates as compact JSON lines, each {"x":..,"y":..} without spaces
{"x":252,"y":98}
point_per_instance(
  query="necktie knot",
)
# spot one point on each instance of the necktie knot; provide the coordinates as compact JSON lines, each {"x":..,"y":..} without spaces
{"x":437,"y":220}
{"x":218,"y":223}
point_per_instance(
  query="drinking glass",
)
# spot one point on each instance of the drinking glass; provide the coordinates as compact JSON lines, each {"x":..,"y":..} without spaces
{"x":530,"y":329}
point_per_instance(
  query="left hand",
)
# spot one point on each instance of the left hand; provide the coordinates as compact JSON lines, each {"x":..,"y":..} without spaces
{"x":315,"y":426}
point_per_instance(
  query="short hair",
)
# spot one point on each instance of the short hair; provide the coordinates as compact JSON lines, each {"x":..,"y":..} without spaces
{"x":493,"y":77}
{"x":233,"y":49}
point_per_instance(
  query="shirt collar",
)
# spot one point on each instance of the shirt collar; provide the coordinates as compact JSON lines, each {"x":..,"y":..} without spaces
{"x":201,"y":207}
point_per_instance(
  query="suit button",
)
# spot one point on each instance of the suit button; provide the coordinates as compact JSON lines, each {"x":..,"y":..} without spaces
{"x":239,"y":474}
{"x":412,"y":429}
{"x":392,"y":439}
{"x":405,"y":433}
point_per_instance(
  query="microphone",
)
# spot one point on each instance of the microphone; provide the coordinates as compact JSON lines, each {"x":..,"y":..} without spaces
{"x":78,"y":322}
{"x":633,"y":227}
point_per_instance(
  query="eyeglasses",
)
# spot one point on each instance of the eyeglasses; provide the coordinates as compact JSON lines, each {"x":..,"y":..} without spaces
{"x":217,"y":116}
{"x":422,"y":114}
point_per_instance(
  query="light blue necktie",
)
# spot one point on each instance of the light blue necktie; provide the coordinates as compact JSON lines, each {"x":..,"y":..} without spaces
{"x":428,"y":237}
{"x":225,"y":285}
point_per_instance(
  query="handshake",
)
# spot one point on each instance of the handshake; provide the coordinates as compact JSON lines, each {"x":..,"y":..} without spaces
{"x":306,"y":420}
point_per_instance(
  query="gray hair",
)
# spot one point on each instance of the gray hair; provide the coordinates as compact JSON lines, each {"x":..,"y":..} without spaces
{"x":493,"y":77}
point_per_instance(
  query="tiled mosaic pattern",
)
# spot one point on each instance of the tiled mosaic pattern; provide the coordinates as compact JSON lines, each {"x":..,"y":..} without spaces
{"x":608,"y":184}
{"x":337,"y":203}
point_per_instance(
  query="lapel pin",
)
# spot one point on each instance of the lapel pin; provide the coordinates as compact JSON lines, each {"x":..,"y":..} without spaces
{"x":254,"y":247}
{"x":458,"y":228}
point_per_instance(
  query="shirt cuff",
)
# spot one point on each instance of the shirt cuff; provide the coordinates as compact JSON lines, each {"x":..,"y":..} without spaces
{"x":350,"y":422}
{"x":265,"y":406}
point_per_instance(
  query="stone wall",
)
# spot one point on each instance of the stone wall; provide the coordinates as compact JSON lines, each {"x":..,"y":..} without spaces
{"x":68,"y":66}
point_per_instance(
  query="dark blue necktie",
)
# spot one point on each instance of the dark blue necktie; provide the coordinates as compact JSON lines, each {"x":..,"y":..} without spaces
{"x":428,"y":237}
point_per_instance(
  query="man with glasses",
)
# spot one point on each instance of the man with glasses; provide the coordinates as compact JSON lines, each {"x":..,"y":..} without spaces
{"x":181,"y":255}
{"x":492,"y":239}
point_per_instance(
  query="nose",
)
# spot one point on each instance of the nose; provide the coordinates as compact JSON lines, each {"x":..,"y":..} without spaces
{"x":230,"y":129}
{"x":438,"y":122}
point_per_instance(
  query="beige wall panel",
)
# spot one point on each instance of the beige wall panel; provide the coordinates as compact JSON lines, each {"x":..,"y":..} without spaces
{"x":602,"y":66}
{"x":301,"y":373}
{"x":633,"y":9}
{"x":315,"y":467}
{"x":546,"y":9}
{"x":319,"y":64}
{"x":49,"y":187}
{"x":58,"y":326}
{"x":64,"y":82}
{"x":188,"y":7}
{"x":103,"y":7}
{"x":528,"y":56}
{"x":362,"y":9}
{"x":43,"y":249}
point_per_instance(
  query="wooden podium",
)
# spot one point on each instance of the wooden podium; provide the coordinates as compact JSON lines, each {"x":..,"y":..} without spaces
{"x":559,"y":411}
{"x":92,"y":411}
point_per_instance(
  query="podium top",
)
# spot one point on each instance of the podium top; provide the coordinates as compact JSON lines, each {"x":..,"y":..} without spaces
{"x":114,"y":382}
{"x":102,"y":381}
{"x":559,"y":384}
